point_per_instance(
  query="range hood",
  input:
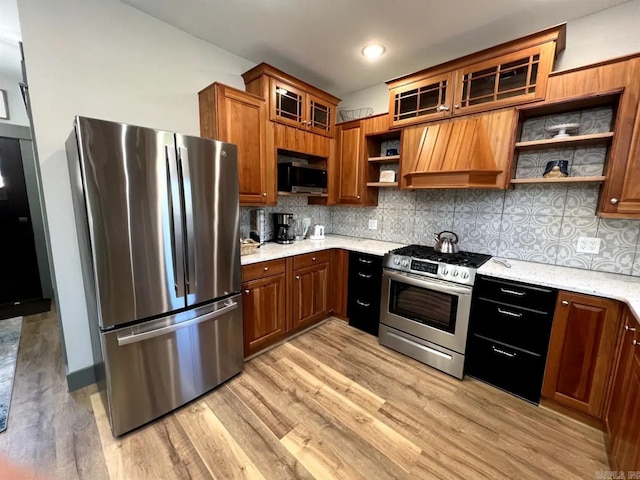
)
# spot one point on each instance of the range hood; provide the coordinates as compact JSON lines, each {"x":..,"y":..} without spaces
{"x":454,"y":154}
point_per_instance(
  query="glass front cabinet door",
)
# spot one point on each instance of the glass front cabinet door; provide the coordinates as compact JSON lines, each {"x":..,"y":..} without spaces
{"x":423,"y":100}
{"x":321,"y":115}
{"x":288,"y":103}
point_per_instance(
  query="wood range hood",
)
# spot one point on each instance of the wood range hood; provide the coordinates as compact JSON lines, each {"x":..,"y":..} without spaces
{"x":455,"y":154}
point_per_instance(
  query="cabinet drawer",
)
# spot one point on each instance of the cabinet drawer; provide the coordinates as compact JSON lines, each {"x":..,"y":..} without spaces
{"x":365,"y":264}
{"x":505,"y":367}
{"x":255,"y":271}
{"x":364,"y":314}
{"x":520,"y":327}
{"x":308,"y":259}
{"x":515,"y":293}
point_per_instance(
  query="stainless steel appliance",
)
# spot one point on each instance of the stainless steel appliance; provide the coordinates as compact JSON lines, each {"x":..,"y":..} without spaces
{"x":158,"y":226}
{"x":426,"y":303}
{"x":446,"y":242}
{"x":284,"y":227}
{"x":298,"y":177}
{"x":258,"y":226}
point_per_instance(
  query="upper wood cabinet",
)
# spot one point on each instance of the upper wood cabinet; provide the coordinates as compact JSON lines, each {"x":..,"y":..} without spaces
{"x":620,"y":193}
{"x":292,"y":101}
{"x":470,"y":152}
{"x":509,"y":74}
{"x":350,"y":181}
{"x":239,"y":117}
{"x":581,"y":352}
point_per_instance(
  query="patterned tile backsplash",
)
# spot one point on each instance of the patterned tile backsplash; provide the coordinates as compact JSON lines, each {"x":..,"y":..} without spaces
{"x":533,"y":222}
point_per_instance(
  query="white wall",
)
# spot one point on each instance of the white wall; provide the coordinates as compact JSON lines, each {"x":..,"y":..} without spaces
{"x":104,"y":59}
{"x":603,"y":35}
{"x":17,"y":111}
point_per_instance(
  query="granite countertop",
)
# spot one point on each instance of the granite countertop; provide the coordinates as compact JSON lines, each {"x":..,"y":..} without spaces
{"x":272,"y":251}
{"x":608,"y":285}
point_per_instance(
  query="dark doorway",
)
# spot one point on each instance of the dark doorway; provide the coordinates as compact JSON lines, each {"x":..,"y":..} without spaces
{"x":19,"y":276}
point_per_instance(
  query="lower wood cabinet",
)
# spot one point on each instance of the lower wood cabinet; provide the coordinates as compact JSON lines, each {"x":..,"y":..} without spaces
{"x":622,"y":416}
{"x":283,"y":296}
{"x":310,"y":289}
{"x":264,"y":312}
{"x":581,"y":352}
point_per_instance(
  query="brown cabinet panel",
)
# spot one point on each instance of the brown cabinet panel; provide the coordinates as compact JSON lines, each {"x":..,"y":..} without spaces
{"x":264,"y":312}
{"x":238,"y":117}
{"x":321,"y":116}
{"x":287,"y":103}
{"x":254,"y":271}
{"x":617,"y":415}
{"x":310,"y":295}
{"x":309,"y":259}
{"x":351,"y":165}
{"x":296,"y":140}
{"x":339,"y":282}
{"x":581,"y":352}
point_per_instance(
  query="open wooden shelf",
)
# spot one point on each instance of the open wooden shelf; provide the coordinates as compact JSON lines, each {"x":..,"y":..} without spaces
{"x":575,"y":141}
{"x":594,"y":179}
{"x":382,"y":184}
{"x":385,"y":159}
{"x":303,"y":194}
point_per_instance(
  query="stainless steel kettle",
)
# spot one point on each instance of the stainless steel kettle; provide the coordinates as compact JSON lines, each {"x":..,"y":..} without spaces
{"x":444,"y":244}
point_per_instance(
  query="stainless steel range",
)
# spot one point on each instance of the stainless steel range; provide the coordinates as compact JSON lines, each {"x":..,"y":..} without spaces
{"x":425,"y":304}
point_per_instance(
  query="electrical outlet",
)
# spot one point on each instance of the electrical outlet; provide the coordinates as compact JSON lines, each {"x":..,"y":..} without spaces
{"x":373,"y":224}
{"x":588,"y":245}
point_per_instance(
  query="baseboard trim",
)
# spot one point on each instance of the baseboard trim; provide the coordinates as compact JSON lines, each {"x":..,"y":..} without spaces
{"x":81,"y":378}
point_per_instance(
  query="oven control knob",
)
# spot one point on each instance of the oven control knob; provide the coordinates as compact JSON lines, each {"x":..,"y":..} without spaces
{"x":405,"y":263}
{"x":444,"y":271}
{"x":396,"y":261}
{"x":465,"y":275}
{"x":454,"y":273}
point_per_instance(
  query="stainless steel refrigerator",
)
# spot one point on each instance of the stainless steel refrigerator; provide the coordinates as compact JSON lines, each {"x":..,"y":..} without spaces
{"x":157,"y":217}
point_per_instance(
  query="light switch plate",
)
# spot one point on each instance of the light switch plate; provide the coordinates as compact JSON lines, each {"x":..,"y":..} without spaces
{"x":373,"y":224}
{"x":588,"y":245}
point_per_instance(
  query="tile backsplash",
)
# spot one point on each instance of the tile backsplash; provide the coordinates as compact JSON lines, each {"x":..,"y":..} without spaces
{"x":539,"y":223}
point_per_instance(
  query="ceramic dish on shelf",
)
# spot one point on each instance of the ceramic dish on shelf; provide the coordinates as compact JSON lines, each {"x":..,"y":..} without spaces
{"x":562,"y":129}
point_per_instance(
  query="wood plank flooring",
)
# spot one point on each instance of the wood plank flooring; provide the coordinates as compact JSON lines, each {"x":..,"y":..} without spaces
{"x":331,"y":403}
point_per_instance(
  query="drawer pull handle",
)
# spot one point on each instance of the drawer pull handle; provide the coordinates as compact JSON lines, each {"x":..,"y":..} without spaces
{"x":502,"y":352}
{"x":627,"y":328}
{"x":635,"y":342}
{"x":512,"y":292}
{"x":365,"y":261}
{"x":508,"y":313}
{"x":363,"y":304}
{"x":266,"y":269}
{"x":363,"y":275}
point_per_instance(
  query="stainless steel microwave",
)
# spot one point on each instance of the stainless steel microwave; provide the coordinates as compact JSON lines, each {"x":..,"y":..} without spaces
{"x":298,"y":177}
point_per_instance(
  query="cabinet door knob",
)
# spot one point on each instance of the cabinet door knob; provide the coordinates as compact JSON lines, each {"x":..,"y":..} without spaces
{"x":266,"y":269}
{"x":613,"y":201}
{"x":629,"y":329}
{"x":358,"y":197}
{"x":247,"y":291}
{"x":443,"y":108}
{"x":565,"y":303}
{"x":313,"y":259}
{"x":297,"y":277}
{"x":264,"y":194}
{"x":635,"y":342}
{"x":456,"y":106}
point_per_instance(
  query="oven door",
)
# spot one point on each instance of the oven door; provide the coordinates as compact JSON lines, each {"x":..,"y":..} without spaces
{"x":429,"y":309}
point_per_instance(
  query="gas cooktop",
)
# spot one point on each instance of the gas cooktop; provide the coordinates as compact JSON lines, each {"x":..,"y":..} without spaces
{"x":425,"y":261}
{"x":422,"y":252}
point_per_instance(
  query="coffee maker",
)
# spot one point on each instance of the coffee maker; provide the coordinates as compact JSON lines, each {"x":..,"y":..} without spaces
{"x":284,"y":227}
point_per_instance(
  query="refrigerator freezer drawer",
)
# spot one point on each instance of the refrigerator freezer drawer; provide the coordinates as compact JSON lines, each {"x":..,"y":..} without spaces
{"x":153,"y":371}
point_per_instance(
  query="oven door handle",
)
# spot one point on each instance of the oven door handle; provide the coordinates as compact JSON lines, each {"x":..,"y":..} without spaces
{"x":438,"y":287}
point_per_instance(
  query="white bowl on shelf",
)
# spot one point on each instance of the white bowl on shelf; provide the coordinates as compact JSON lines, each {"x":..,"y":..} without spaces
{"x":562,"y":129}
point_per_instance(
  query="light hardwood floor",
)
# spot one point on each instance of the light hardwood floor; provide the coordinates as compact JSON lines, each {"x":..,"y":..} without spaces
{"x":331,"y":403}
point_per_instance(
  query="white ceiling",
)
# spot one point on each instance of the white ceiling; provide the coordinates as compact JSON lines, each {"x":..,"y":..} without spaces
{"x":320,"y":41}
{"x":9,"y":38}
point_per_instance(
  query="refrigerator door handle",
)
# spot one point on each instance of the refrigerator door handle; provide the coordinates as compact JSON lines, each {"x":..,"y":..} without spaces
{"x":139,"y":337}
{"x":183,"y":157}
{"x":175,"y":215}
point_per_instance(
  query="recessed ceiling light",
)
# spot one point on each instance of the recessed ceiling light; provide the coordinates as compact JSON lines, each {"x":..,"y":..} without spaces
{"x":373,"y":51}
